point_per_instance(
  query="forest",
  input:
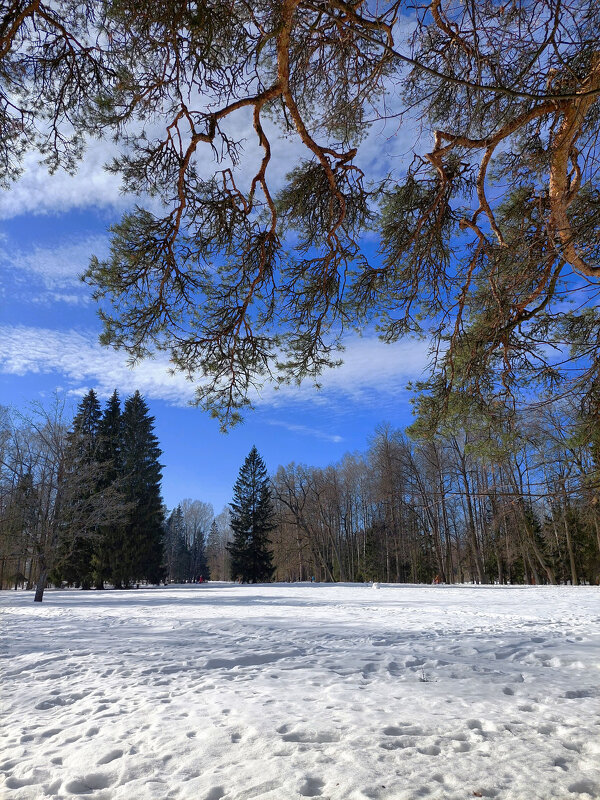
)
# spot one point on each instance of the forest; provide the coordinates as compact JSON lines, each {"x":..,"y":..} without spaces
{"x":80,"y":505}
{"x":465,"y":505}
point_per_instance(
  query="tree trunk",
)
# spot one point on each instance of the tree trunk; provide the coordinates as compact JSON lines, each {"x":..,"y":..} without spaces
{"x":41,"y":585}
{"x":574,"y":578}
{"x":300,"y":559}
{"x":597,"y":527}
{"x":472,"y":531}
{"x":539,"y":556}
{"x":475,"y":550}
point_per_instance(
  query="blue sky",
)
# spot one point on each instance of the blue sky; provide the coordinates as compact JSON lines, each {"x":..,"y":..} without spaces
{"x":49,"y":228}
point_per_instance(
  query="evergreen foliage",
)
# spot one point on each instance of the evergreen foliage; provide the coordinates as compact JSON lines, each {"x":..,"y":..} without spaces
{"x":185,"y":549}
{"x":252,"y":520}
{"x":109,"y":545}
{"x":217,"y":555}
{"x":177,"y":554}
{"x":76,"y":553}
{"x":199,"y":561}
{"x":141,"y":555}
{"x":108,"y":507}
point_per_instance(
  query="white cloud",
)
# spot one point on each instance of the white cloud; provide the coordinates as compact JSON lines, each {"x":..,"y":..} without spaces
{"x":58,"y":267}
{"x":78,"y":359}
{"x":50,"y":298}
{"x":372,"y":371}
{"x":37,"y":192}
{"x":304,"y":430}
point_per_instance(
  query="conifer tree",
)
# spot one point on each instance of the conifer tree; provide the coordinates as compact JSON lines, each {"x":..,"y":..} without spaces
{"x":142,"y":553}
{"x":177,"y":553}
{"x":472,"y":240}
{"x":200,"y":567}
{"x":81,"y":470}
{"x":110,"y":542}
{"x":214,"y":547}
{"x":252,"y":519}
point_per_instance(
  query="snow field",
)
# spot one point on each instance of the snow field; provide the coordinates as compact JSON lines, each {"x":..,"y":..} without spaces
{"x":280,"y":692}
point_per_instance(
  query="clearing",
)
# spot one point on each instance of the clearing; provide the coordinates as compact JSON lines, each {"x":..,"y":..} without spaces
{"x":285,"y":691}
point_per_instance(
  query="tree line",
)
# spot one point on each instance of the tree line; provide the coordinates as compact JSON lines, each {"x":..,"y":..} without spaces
{"x":195,"y":543}
{"x":469,"y":503}
{"x":475,"y":500}
{"x":80,"y":503}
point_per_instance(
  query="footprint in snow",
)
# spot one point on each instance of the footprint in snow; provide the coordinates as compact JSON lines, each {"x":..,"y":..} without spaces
{"x":311,"y":788}
{"x":308,"y":737}
{"x":216,"y":793}
{"x":49,"y":733}
{"x":431,"y":750}
{"x":18,"y":783}
{"x":57,"y":700}
{"x":461,"y":747}
{"x":406,"y":730}
{"x":527,"y":707}
{"x":585,"y":786}
{"x":397,"y":744}
{"x":576,"y":694}
{"x":546,"y":730}
{"x":88,"y":784}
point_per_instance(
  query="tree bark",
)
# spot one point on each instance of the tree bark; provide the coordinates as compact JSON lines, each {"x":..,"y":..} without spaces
{"x":41,"y":585}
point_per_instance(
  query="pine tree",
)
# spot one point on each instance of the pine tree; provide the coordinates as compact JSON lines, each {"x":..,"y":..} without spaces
{"x":252,"y":519}
{"x":142,"y":552}
{"x":373,"y":567}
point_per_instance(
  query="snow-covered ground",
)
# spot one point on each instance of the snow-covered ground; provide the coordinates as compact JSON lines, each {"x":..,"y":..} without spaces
{"x":225,"y":692}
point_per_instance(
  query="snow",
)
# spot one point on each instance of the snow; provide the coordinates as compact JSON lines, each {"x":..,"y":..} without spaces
{"x":285,"y":691}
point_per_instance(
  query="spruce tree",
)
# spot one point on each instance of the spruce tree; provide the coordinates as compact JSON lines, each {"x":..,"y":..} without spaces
{"x":80,"y":484}
{"x":110,"y":542}
{"x":199,"y":560}
{"x":252,"y":519}
{"x":177,"y":552}
{"x":214,"y":548}
{"x":142,"y":552}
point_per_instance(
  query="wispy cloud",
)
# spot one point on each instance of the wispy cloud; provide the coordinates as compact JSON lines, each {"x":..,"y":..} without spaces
{"x":79,"y":361}
{"x":37,"y":192}
{"x":304,"y":430}
{"x":57,"y":267}
{"x":51,"y":298}
{"x":371,"y":369}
